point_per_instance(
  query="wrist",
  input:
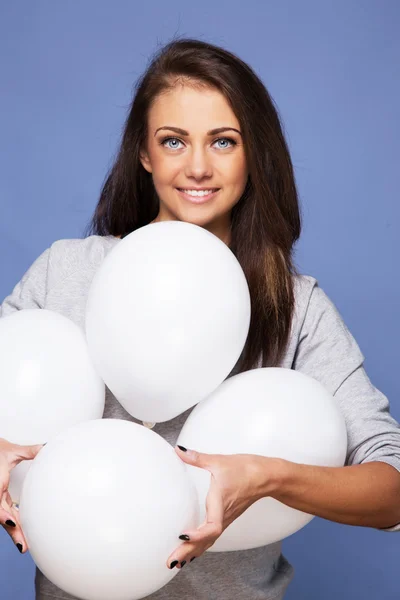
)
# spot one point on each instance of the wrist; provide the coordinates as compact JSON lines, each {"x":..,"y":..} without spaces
{"x":271,"y":475}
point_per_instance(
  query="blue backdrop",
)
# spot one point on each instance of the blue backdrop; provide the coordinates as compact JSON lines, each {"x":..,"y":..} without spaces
{"x":66,"y":73}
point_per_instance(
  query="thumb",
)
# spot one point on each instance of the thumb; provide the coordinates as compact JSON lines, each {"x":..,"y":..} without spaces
{"x":191,"y":457}
{"x":26,"y":452}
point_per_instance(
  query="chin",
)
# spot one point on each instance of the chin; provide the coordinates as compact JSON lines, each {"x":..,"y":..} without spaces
{"x":196,"y":216}
{"x":199,"y":221}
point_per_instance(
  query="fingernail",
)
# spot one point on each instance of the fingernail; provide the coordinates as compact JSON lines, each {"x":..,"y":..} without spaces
{"x":10,"y":523}
{"x":192,"y":559}
{"x":19,"y":546}
{"x":182,"y":448}
{"x":184,"y":537}
{"x":183,"y":563}
{"x":173,"y":564}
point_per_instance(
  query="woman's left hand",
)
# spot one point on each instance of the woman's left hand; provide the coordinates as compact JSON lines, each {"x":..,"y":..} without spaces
{"x":237,"y":481}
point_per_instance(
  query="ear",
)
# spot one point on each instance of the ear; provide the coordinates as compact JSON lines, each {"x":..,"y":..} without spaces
{"x":145,"y":160}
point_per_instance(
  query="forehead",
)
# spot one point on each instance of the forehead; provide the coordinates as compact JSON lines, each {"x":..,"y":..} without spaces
{"x":192,"y":108}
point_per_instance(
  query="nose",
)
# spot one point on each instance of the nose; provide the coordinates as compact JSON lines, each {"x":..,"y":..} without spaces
{"x":198,"y":164}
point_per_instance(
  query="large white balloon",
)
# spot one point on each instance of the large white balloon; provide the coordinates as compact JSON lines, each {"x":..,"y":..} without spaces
{"x":167,"y":317}
{"x":270,"y":412}
{"x":48,"y":381}
{"x":102,"y":509}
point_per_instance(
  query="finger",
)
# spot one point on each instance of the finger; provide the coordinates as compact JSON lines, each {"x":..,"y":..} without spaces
{"x":25,"y":453}
{"x":19,"y":533}
{"x":13,"y":527}
{"x":212,"y":527}
{"x":199,"y":535}
{"x":14,"y":531}
{"x":214,"y":509}
{"x":187,"y":552}
{"x":4,"y":482}
{"x":197,"y":459}
{"x":184,"y":554}
{"x":206,"y":533}
{"x":7,"y":519}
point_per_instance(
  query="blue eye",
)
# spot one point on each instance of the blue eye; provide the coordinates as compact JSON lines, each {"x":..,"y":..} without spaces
{"x":229,"y":140}
{"x":170,"y":139}
{"x":176,"y":141}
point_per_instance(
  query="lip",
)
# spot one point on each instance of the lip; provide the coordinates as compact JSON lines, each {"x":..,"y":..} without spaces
{"x":197,"y":199}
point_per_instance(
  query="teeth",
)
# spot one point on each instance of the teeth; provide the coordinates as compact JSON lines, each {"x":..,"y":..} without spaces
{"x":198,"y":192}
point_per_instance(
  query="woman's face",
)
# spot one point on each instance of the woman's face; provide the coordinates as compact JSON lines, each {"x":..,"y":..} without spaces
{"x":188,"y":158}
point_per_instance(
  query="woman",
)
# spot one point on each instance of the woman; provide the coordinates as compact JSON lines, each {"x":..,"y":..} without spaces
{"x":203,"y":144}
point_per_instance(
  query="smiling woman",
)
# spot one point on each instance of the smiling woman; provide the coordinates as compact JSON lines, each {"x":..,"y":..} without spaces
{"x":203,"y":144}
{"x":201,"y":170}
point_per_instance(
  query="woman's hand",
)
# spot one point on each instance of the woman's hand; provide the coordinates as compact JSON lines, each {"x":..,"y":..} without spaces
{"x":237,"y":481}
{"x":10,"y":456}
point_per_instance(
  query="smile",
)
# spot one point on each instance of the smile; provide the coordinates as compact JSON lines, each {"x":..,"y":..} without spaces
{"x":198,"y":196}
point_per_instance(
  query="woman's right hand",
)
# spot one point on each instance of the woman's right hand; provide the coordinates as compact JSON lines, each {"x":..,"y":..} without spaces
{"x":10,"y":456}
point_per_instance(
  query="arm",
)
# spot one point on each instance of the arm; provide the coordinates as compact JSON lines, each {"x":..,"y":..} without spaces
{"x":366,"y":495}
{"x":367,"y":491}
{"x":29,"y":293}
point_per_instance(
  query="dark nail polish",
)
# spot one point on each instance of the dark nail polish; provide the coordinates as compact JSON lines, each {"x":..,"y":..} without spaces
{"x":184,"y":537}
{"x":10,"y":523}
{"x":182,"y":448}
{"x":183,"y":563}
{"x":192,"y":559}
{"x":173,"y":564}
{"x":19,"y":546}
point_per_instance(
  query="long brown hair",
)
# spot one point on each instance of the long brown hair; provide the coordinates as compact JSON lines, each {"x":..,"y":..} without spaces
{"x":265,"y":222}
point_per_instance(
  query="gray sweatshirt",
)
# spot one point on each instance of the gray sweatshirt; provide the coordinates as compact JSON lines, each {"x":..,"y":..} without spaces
{"x":320,"y":346}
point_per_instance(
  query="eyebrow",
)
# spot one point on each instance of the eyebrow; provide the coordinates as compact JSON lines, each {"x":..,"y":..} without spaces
{"x":186,"y":133}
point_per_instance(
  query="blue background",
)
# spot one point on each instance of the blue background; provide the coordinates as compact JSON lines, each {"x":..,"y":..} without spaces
{"x":67,"y":71}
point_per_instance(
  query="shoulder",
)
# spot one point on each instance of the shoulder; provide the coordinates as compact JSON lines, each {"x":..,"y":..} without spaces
{"x":304,"y":287}
{"x":69,"y":256}
{"x":92,"y":248}
{"x":311,"y":301}
{"x":323,"y":345}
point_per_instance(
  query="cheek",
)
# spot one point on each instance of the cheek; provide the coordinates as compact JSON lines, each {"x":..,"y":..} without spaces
{"x":165,"y":171}
{"x":235,"y":167}
{"x":239,"y":171}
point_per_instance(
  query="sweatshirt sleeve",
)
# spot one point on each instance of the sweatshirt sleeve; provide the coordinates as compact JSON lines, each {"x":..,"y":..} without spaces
{"x":328,"y":352}
{"x":30,"y":291}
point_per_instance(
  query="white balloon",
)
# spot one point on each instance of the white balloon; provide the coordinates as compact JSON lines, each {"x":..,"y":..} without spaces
{"x":48,"y":381}
{"x":271,"y":412}
{"x":167,"y":318}
{"x":102,"y":509}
